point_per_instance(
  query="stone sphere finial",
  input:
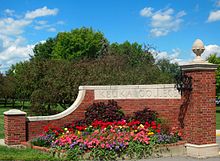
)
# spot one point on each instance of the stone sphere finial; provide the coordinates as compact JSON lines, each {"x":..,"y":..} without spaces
{"x":198,"y":48}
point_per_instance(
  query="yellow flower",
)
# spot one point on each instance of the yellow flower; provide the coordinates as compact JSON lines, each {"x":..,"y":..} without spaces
{"x":65,"y":129}
{"x":141,"y":126}
{"x":150,"y":133}
{"x":78,"y":132}
{"x":135,"y":130}
{"x":120,"y":127}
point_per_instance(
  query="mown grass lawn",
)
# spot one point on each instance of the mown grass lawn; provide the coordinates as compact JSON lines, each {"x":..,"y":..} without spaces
{"x":2,"y":110}
{"x":23,"y":154}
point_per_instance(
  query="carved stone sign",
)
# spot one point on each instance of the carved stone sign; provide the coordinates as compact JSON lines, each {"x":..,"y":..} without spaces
{"x":137,"y":92}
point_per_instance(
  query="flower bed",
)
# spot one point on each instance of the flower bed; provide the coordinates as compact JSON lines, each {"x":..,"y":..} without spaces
{"x":108,"y":140}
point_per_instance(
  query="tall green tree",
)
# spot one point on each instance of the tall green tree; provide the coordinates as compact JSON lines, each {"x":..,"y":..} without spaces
{"x":135,"y":52}
{"x":167,"y":68}
{"x":216,"y":60}
{"x":1,"y":84}
{"x":44,"y":50}
{"x":8,"y":89}
{"x":83,"y":57}
{"x":74,"y":45}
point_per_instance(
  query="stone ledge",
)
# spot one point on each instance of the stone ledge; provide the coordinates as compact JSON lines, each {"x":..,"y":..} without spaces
{"x":108,"y":87}
{"x":14,"y":112}
{"x":202,"y":151}
{"x":198,"y":66}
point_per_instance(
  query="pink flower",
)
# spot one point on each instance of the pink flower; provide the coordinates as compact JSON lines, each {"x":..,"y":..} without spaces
{"x":107,"y":146}
{"x":102,"y":146}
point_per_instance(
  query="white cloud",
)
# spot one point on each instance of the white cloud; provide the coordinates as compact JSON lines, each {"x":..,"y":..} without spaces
{"x":180,"y":14}
{"x":157,"y":32}
{"x":60,"y":22}
{"x":41,"y":27}
{"x":173,"y":56}
{"x":12,"y":27}
{"x":9,"y":12}
{"x":52,"y":29}
{"x":146,"y":12}
{"x":13,"y":45}
{"x":163,"y":21}
{"x":211,"y":49}
{"x":14,"y":51}
{"x":41,"y":22}
{"x":214,"y":16}
{"x":44,"y":25}
{"x":41,"y":12}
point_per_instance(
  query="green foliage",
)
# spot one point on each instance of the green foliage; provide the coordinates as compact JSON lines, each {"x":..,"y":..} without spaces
{"x":78,"y":44}
{"x":134,"y":52}
{"x":139,"y":150}
{"x":104,"y":112}
{"x":216,"y":60}
{"x":75,"y":154}
{"x":103,"y":154}
{"x":44,"y":141}
{"x":167,"y":68}
{"x":82,"y":57}
{"x":44,"y":50}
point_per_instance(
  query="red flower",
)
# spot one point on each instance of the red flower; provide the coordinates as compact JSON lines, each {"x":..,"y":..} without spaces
{"x":153,"y":123}
{"x":80,"y":128}
{"x":147,"y":125}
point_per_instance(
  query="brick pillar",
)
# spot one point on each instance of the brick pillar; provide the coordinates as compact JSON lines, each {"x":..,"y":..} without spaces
{"x":14,"y":127}
{"x":200,"y":120}
{"x":200,"y":116}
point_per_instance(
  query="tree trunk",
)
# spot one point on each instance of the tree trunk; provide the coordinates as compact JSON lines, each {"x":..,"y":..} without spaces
{"x":13,"y":103}
{"x":5,"y":102}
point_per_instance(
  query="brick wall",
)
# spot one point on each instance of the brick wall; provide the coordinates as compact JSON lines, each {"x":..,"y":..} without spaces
{"x":167,"y":109}
{"x":194,"y":112}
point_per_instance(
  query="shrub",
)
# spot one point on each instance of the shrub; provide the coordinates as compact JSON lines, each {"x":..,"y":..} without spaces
{"x":146,"y":115}
{"x":107,"y":112}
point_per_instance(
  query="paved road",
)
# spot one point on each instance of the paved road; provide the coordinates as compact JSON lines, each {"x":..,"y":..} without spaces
{"x":218,"y":140}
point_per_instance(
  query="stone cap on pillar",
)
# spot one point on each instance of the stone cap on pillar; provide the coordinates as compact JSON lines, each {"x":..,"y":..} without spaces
{"x":198,"y":63}
{"x":13,"y":112}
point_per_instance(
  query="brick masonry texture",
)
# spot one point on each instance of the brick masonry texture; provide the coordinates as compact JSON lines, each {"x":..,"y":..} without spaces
{"x":163,"y":107}
{"x":200,"y":121}
{"x":15,"y":129}
{"x":194,"y":112}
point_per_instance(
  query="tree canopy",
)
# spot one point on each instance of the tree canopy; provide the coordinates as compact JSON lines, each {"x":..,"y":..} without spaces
{"x":76,"y":44}
{"x":83,"y":57}
{"x":216,"y":60}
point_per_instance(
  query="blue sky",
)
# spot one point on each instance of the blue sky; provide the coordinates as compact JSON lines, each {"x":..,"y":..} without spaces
{"x":171,"y":26}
